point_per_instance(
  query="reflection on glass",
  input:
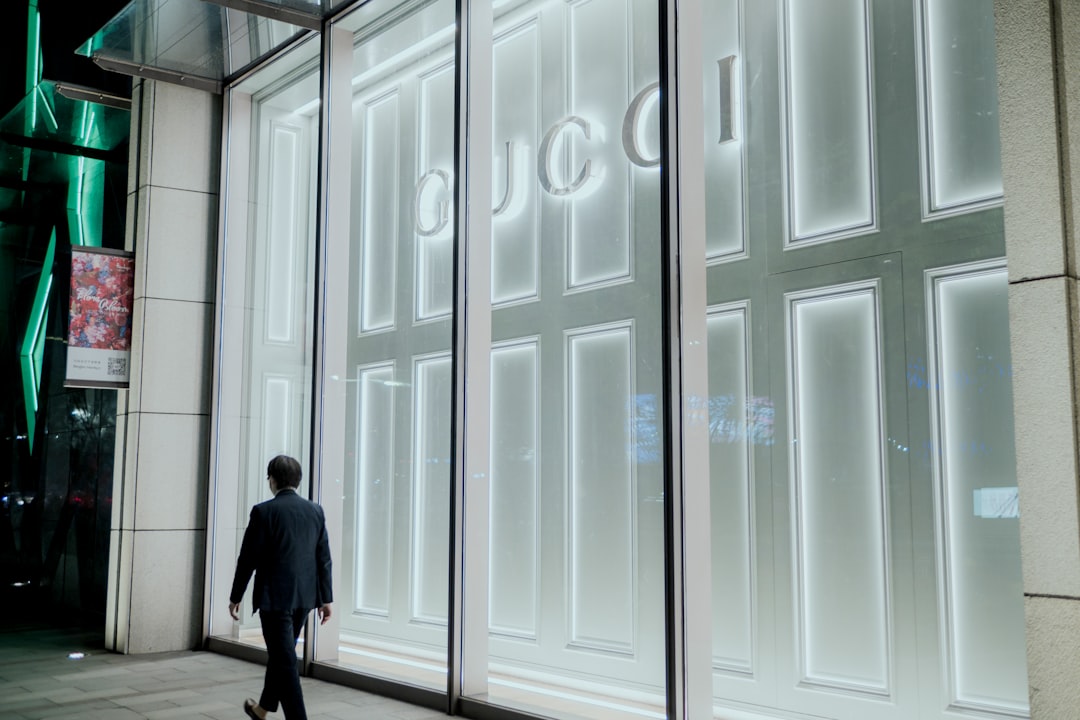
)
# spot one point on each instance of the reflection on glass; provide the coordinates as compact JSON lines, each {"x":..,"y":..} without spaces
{"x":394,"y":560}
{"x":264,"y":404}
{"x":576,"y":573}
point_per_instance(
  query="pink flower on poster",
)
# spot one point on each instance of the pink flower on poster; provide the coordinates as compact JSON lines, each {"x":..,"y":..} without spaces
{"x":102,"y":290}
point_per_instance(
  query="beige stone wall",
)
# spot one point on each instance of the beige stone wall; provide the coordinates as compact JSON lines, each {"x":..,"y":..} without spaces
{"x":1038,"y":45}
{"x":158,"y":538}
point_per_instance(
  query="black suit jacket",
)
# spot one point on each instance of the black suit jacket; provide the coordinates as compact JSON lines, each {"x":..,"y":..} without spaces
{"x":287,"y":548}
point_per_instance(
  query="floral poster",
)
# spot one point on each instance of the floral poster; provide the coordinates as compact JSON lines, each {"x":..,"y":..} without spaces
{"x":99,"y":324}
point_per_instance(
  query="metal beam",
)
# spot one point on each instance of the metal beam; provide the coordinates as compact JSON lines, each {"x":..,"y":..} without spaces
{"x":78,"y":92}
{"x":126,"y":67}
{"x":273,"y":11}
{"x":64,"y":148}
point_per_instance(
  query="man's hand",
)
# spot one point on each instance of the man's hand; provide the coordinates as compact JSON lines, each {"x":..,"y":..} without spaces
{"x":324,"y":613}
{"x":234,"y":608}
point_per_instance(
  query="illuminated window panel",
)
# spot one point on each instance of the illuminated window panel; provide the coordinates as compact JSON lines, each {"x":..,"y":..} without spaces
{"x":284,"y":230}
{"x":725,"y":144}
{"x":375,"y":489}
{"x":377,"y":168}
{"x":830,"y":174}
{"x":432,"y":388}
{"x":515,"y":489}
{"x":730,"y":489}
{"x":958,"y":123}
{"x":838,"y":479}
{"x":587,"y":150}
{"x":600,"y":476}
{"x":977,"y":504}
{"x":434,"y":222}
{"x":515,"y":247}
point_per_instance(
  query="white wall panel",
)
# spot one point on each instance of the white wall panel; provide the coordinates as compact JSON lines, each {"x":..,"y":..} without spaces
{"x":841,"y":571}
{"x":725,"y":146}
{"x":730,"y":485}
{"x":432,"y":389}
{"x":829,"y":123}
{"x":276,"y":415}
{"x":374,"y":488}
{"x":959,"y":119}
{"x":377,"y":221}
{"x":980,"y":583}
{"x":434,"y":282}
{"x":283,"y":231}
{"x":515,"y":510}
{"x":601,"y":494}
{"x":599,"y":247}
{"x":515,"y":246}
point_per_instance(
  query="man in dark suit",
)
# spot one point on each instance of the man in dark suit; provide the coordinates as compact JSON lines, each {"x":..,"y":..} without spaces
{"x":286,"y":546}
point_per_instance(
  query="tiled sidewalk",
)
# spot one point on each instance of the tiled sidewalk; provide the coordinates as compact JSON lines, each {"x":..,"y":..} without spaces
{"x":39,"y":681}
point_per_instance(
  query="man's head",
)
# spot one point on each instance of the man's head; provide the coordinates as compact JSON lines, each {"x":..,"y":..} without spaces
{"x":285,"y":471}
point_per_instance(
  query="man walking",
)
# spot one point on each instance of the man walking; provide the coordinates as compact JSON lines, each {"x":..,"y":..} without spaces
{"x":287,"y":548}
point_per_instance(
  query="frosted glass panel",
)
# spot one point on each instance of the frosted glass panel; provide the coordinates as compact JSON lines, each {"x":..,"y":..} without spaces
{"x":263,"y":352}
{"x":276,"y":415}
{"x":396,"y":64}
{"x":431,"y":478}
{"x":284,"y":229}
{"x":724,"y":142}
{"x":730,"y":489}
{"x":514,"y":547}
{"x":601,"y":480}
{"x":516,"y":218}
{"x":377,"y":222}
{"x":375,"y":493}
{"x":971,"y":376}
{"x":960,"y":86}
{"x":434,"y":224}
{"x":599,"y":240}
{"x":830,"y":174}
{"x":837,"y":442}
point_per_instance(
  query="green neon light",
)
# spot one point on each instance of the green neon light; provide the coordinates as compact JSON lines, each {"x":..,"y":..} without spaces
{"x":86,"y":189}
{"x":50,"y":117}
{"x":33,"y":58}
{"x":33,"y":346}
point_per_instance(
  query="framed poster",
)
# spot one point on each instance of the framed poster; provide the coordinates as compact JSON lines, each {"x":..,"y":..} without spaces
{"x":99,"y":321}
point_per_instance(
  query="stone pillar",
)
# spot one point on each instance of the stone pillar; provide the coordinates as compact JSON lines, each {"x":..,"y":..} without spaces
{"x":157,"y":550}
{"x":1038,"y":46}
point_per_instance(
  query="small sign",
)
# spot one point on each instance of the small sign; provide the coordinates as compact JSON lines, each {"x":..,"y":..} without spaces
{"x":99,"y":321}
{"x":997,"y":502}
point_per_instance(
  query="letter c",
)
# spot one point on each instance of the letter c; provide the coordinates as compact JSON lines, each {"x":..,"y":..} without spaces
{"x":632,"y":120}
{"x":543,"y":159}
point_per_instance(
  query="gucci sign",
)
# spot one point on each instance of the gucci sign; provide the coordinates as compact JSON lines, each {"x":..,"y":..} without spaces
{"x":432,"y":216}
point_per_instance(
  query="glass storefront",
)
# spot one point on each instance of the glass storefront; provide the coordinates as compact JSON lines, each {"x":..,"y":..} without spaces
{"x":393,"y":341}
{"x":862,"y":494}
{"x":262,"y":406}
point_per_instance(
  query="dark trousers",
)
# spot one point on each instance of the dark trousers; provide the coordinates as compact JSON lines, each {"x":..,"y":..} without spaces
{"x":282,"y":683}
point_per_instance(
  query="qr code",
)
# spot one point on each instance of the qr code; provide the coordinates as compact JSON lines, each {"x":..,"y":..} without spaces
{"x":117,"y":366}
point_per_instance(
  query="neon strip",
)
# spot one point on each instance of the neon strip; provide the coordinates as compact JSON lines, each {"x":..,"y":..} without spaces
{"x":33,"y":345}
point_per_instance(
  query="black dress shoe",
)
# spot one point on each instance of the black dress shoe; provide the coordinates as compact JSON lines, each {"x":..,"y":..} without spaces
{"x":249,"y":708}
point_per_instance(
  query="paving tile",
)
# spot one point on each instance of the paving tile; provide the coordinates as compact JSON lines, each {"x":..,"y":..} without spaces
{"x":39,"y":682}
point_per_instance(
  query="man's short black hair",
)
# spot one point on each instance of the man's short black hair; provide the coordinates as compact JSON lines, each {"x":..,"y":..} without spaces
{"x":285,"y":471}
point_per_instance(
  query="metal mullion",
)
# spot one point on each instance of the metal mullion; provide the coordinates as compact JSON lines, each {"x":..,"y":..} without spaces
{"x":330,"y":371}
{"x":468,"y":618}
{"x":688,"y":590}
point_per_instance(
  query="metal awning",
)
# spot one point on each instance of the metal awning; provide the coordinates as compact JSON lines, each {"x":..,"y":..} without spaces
{"x":201,"y":43}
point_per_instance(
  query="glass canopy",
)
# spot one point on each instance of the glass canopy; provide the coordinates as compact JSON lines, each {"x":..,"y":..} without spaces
{"x":193,"y":42}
